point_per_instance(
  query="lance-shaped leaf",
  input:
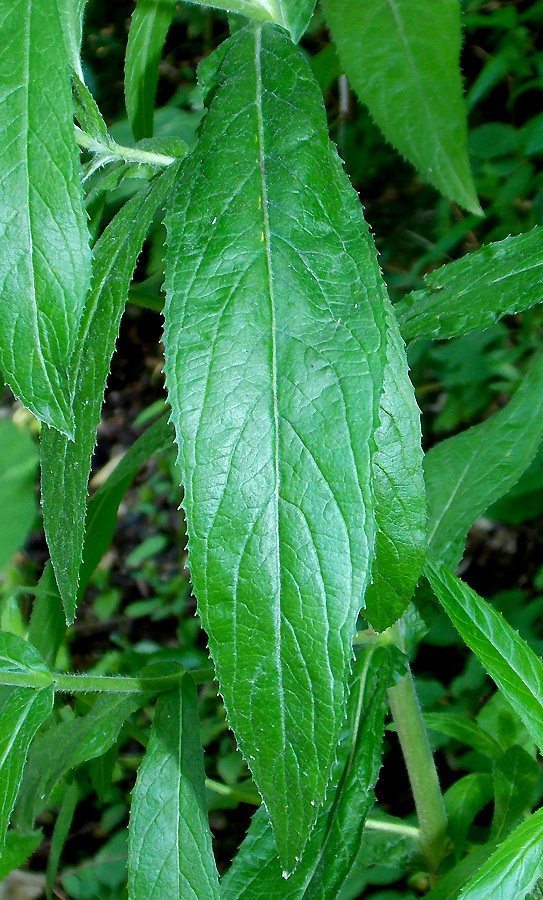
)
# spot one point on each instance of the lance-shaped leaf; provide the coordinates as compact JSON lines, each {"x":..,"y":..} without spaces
{"x":20,"y":717}
{"x":515,"y":777}
{"x":66,"y":464}
{"x":464,"y":799}
{"x":468,"y":472}
{"x":274,"y":365}
{"x":400,"y":495}
{"x":149,"y":26}
{"x":71,"y":15}
{"x":169,"y":853}
{"x":477,"y":290}
{"x":402,"y":58}
{"x":513,"y":868}
{"x":332,"y":848}
{"x":507,"y":658}
{"x":44,"y":259}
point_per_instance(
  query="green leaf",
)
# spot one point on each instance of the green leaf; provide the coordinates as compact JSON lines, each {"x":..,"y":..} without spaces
{"x":103,"y":876}
{"x":293,"y":15}
{"x":456,"y":878}
{"x":86,"y":111}
{"x":18,"y":656}
{"x":515,"y":777}
{"x":468,"y":472}
{"x":104,"y":505}
{"x":60,"y":835}
{"x":477,"y":290}
{"x":513,"y":868}
{"x":20,"y":717}
{"x":66,"y":464}
{"x":334,"y":843}
{"x":71,"y":16}
{"x":402,"y":58}
{"x":400,"y":495}
{"x":459,"y":727}
{"x":463,"y":801}
{"x":169,"y":851}
{"x":18,"y":471}
{"x":274,"y":342}
{"x":17,"y":849}
{"x":507,"y":658}
{"x":149,"y":26}
{"x":66,"y":746}
{"x":47,"y":622}
{"x":44,"y":263}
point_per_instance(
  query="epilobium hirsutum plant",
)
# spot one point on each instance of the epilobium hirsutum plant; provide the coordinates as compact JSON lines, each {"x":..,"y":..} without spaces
{"x":311,"y":514}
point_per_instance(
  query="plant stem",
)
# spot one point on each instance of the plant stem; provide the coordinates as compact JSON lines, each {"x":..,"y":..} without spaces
{"x":394,"y":828}
{"x":110,"y":684}
{"x":420,"y":765}
{"x":111,"y":151}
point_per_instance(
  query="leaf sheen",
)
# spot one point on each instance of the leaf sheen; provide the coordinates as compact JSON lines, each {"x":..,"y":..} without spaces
{"x":148,"y":29}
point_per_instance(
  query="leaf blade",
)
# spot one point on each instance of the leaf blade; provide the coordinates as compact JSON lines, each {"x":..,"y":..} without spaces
{"x":149,"y":26}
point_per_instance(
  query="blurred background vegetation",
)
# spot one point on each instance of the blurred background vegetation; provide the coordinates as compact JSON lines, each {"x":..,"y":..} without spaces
{"x":139,"y":605}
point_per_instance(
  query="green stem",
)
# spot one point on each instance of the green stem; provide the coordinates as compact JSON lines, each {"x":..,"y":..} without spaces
{"x":110,"y":684}
{"x":111,"y":151}
{"x":420,"y":765}
{"x":409,"y":831}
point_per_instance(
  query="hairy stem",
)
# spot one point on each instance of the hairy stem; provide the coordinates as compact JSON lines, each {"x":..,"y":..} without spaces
{"x":111,"y":151}
{"x":111,"y":684}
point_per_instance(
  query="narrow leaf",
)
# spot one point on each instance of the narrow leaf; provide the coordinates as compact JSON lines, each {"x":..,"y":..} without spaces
{"x":17,"y":849}
{"x":71,"y":16}
{"x":44,"y":263}
{"x":20,"y":717}
{"x":66,"y":464}
{"x":275,"y":349}
{"x":463,"y":801}
{"x":468,"y":472}
{"x":18,"y":474}
{"x":149,"y":26}
{"x":515,"y":777}
{"x":66,"y":746}
{"x":477,"y":290}
{"x":402,"y":58}
{"x":332,"y":848}
{"x":400,"y":495}
{"x":507,"y":658}
{"x":47,"y":622}
{"x":513,"y":868}
{"x":459,"y":727}
{"x":60,"y":835}
{"x":169,"y":851}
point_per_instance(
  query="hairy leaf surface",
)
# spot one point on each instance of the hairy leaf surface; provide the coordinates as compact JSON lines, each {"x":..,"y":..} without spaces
{"x":274,"y":364}
{"x":513,"y":868}
{"x":402,"y":58}
{"x":169,"y":851}
{"x":66,"y":464}
{"x":477,"y":290}
{"x":507,"y":658}
{"x":148,"y":29}
{"x":44,"y":263}
{"x":256,"y":873}
{"x":20,"y":717}
{"x":466,"y":473}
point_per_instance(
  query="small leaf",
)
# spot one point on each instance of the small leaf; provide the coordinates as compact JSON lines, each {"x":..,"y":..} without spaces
{"x":402,"y":58}
{"x":507,"y":658}
{"x":335,"y":840}
{"x":466,"y":473}
{"x":275,"y":338}
{"x":17,"y":849}
{"x":149,"y":26}
{"x":477,"y":290}
{"x":515,"y":777}
{"x":459,"y":727}
{"x":463,"y":801}
{"x":86,"y":111}
{"x":400,"y":495}
{"x":19,"y":657}
{"x":18,"y":472}
{"x":47,"y":622}
{"x":44,"y":262}
{"x":66,"y":746}
{"x":60,"y":835}
{"x":293,"y":15}
{"x":513,"y":868}
{"x":66,"y":464}
{"x":169,"y":851}
{"x":20,"y":717}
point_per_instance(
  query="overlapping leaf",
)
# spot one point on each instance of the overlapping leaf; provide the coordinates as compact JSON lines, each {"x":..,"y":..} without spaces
{"x":477,"y":290}
{"x":44,"y":259}
{"x":275,"y":350}
{"x":402,"y":58}
{"x":293,"y":15}
{"x":169,"y":854}
{"x":148,"y":29}
{"x":466,"y":473}
{"x":66,"y":464}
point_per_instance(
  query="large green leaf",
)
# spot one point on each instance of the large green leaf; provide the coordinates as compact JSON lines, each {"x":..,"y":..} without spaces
{"x":477,"y":290}
{"x":402,"y":58}
{"x":400,"y":495}
{"x":275,"y":345}
{"x":66,"y":464}
{"x":513,"y":868}
{"x":507,"y":658}
{"x":169,"y":851}
{"x":18,"y":473}
{"x":148,"y":29}
{"x":44,"y":259}
{"x":332,"y":848}
{"x":468,"y":472}
{"x":20,"y":717}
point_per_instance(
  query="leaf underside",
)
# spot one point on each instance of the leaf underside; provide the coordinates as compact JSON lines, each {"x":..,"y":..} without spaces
{"x":275,"y":349}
